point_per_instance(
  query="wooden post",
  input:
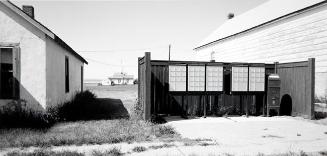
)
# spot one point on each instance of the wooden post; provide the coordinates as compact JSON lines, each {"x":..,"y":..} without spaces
{"x":139,"y":80}
{"x":263,"y":104}
{"x":147,"y":99}
{"x":311,"y":89}
{"x":205,"y":92}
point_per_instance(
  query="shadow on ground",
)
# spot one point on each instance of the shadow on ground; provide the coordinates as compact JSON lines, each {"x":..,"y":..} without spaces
{"x":113,"y":108}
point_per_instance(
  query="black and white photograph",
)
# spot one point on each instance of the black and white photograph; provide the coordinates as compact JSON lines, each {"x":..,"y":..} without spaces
{"x":163,"y":77}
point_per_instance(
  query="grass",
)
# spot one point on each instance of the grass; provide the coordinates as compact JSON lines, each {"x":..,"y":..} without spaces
{"x":139,"y":149}
{"x":86,"y":132}
{"x":44,"y":152}
{"x":112,"y":152}
{"x":161,"y":146}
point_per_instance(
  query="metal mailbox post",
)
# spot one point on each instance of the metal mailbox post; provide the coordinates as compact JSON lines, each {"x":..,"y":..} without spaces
{"x":273,"y":93}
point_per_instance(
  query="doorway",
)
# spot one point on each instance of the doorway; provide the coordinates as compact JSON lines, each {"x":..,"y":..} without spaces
{"x":286,"y":105}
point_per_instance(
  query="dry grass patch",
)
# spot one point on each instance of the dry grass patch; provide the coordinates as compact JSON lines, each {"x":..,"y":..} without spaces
{"x":112,"y":152}
{"x":45,"y":152}
{"x":86,"y":132}
{"x":139,"y":149}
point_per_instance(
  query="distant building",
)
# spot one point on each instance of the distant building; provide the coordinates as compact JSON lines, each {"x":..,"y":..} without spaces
{"x":37,"y":67}
{"x":121,"y":79}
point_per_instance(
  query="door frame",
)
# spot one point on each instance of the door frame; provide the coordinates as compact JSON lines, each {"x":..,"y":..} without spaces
{"x":16,"y":67}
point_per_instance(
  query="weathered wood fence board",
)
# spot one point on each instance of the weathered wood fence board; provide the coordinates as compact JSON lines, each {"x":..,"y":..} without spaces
{"x":297,"y":80}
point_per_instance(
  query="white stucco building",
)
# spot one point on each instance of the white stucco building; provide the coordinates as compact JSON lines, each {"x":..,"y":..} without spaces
{"x":276,"y":31}
{"x":37,"y":67}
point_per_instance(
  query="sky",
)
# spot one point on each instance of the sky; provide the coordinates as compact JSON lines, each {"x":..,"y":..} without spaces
{"x":112,"y":34}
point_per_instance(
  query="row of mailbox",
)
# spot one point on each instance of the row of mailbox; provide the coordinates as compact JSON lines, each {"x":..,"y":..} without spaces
{"x":210,"y":78}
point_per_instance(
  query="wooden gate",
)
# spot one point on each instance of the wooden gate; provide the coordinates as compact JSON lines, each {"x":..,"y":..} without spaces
{"x":298,"y":81}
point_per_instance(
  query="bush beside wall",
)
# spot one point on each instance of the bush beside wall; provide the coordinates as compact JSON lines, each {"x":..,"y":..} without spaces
{"x":14,"y":115}
{"x":81,"y":107}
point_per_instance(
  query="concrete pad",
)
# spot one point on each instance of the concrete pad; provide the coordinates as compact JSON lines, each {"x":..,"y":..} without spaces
{"x":253,"y":135}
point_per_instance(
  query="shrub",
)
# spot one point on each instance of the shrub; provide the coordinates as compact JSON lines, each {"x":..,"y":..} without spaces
{"x":157,"y":119}
{"x":112,"y":152}
{"x":139,"y":149}
{"x":165,"y":131}
{"x":138,"y":110}
{"x":14,"y":115}
{"x":81,"y":107}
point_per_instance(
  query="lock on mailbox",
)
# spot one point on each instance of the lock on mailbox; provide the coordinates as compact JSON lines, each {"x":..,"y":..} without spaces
{"x":273,"y":93}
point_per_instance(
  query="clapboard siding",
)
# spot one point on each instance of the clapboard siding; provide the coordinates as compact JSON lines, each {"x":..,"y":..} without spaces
{"x":295,"y":38}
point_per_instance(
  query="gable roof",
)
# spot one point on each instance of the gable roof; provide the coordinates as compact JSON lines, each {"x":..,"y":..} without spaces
{"x":261,"y":15}
{"x":42,"y":28}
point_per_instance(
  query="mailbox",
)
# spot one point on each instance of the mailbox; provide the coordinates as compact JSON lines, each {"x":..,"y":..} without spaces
{"x":273,"y":93}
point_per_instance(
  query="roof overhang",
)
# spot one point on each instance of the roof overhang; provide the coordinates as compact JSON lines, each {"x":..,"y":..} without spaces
{"x":237,"y":25}
{"x":42,"y":28}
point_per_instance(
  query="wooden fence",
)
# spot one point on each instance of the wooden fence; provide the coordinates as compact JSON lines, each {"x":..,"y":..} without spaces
{"x":297,"y":83}
{"x":155,"y":96}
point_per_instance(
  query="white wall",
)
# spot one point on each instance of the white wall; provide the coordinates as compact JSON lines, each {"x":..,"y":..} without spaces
{"x":56,"y":74}
{"x":14,"y":29}
{"x":296,"y":38}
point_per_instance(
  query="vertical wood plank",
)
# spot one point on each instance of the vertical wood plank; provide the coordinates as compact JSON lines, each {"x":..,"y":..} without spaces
{"x":147,"y":106}
{"x":311,"y":92}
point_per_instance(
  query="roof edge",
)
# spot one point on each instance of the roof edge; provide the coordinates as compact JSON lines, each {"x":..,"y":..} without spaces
{"x":263,"y":24}
{"x":42,"y":28}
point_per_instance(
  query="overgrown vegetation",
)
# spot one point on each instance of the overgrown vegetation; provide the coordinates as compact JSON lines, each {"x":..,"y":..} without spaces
{"x":45,"y":152}
{"x":83,"y":106}
{"x":139,"y":149}
{"x":111,"y":152}
{"x":15,"y":114}
{"x":86,"y":132}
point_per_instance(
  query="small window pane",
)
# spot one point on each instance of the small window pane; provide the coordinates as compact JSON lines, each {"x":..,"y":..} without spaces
{"x":239,"y":78}
{"x":196,"y":78}
{"x":177,"y":78}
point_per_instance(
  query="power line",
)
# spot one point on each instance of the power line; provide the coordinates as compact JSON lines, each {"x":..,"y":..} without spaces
{"x":119,"y":50}
{"x":107,"y":64}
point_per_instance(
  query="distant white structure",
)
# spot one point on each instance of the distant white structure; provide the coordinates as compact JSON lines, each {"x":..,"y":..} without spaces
{"x":121,"y":79}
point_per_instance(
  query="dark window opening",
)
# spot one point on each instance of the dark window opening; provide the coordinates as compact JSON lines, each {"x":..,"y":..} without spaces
{"x":66,"y":74}
{"x":227,"y":82}
{"x":6,"y":73}
{"x":286,"y":105}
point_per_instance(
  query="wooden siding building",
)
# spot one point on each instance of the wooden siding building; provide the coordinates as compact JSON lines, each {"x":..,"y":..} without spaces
{"x":276,"y":31}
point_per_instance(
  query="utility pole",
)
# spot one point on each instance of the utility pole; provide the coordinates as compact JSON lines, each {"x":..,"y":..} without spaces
{"x":169,"y":53}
